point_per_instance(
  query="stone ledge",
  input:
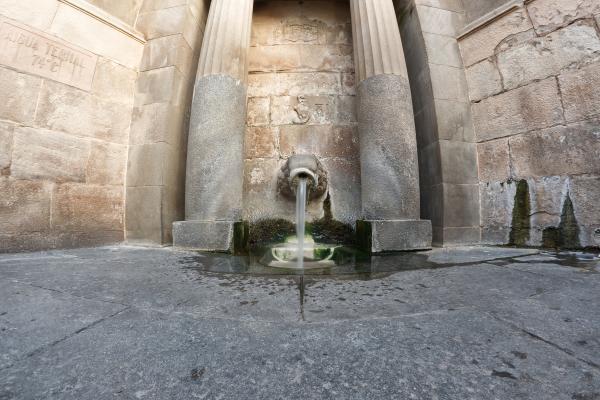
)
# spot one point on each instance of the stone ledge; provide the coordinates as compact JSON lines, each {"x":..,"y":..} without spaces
{"x":210,"y":235}
{"x":490,"y":17}
{"x":378,"y":236}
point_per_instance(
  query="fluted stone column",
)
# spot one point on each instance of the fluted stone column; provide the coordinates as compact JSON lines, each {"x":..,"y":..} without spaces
{"x":214,"y":173}
{"x":388,"y":147}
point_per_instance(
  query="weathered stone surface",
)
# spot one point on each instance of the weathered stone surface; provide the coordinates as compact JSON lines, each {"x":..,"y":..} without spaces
{"x":449,"y":83}
{"x":454,"y":120}
{"x":344,"y":188}
{"x":90,"y":33}
{"x":261,"y":142}
{"x":87,"y":208}
{"x":484,"y":80}
{"x":167,"y":51}
{"x":459,"y":162}
{"x":482,"y":43}
{"x":548,"y":15}
{"x":322,"y":141}
{"x":126,"y":10}
{"x":258,"y":113}
{"x":346,"y":110}
{"x":579,"y":90}
{"x":39,"y":17}
{"x":95,"y":117}
{"x":497,"y":200}
{"x":114,"y":82}
{"x":493,"y":161}
{"x":572,"y":149}
{"x":203,"y":235}
{"x":310,"y":110}
{"x":20,"y":96}
{"x":466,"y":196}
{"x":396,"y":235}
{"x":524,"y":109}
{"x":315,"y":83}
{"x":547,"y":196}
{"x":585,"y":192}
{"x":24,"y":206}
{"x":548,"y":55}
{"x":144,"y":220}
{"x":158,"y":122}
{"x":439,"y":20}
{"x":261,"y":199}
{"x":274,"y":58}
{"x":214,"y":178}
{"x":442,"y":49}
{"x":35,"y":52}
{"x":44,"y":154}
{"x":6,"y":145}
{"x":107,"y":163}
{"x":146,"y":164}
{"x":164,"y":85}
{"x":388,"y":149}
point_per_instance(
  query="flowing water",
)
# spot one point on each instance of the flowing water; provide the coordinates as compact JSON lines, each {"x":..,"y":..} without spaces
{"x":301,"y":219}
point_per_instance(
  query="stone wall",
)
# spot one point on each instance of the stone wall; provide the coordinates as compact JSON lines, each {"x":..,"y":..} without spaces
{"x":67,"y":83}
{"x":533,"y":76}
{"x":301,"y":100}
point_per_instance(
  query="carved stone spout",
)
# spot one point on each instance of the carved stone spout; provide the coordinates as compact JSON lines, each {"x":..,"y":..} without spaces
{"x":302,"y":166}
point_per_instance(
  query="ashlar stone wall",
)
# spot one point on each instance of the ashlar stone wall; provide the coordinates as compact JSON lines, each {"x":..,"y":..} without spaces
{"x":533,"y":76}
{"x":67,"y":83}
{"x":301,"y":99}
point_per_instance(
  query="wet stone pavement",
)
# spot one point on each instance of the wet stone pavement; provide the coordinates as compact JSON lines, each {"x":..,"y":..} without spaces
{"x":139,"y":323}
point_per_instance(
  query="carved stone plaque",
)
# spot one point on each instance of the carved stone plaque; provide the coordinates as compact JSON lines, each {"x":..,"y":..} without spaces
{"x":29,"y":50}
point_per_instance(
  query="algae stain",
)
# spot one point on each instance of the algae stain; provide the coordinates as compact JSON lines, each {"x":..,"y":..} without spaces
{"x":521,"y":223}
{"x":566,"y":236}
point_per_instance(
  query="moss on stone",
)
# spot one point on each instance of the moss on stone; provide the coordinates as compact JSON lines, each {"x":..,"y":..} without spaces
{"x":267,"y":231}
{"x":521,"y":224}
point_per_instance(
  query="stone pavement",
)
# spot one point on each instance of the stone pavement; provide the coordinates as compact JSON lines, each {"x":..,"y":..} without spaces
{"x":139,"y":323}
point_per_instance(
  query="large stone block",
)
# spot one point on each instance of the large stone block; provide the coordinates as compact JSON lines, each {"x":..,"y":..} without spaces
{"x":24,"y":206}
{"x":548,"y":55}
{"x":94,"y":35}
{"x":454,"y":120}
{"x":547,"y":196}
{"x":308,"y":84}
{"x":164,"y":85}
{"x":573,"y":149}
{"x":87,"y":208}
{"x":274,"y":58}
{"x":531,"y":107}
{"x":168,"y":51}
{"x":178,"y":19}
{"x":326,"y":58}
{"x":482,"y":43}
{"x":394,"y":235}
{"x":484,"y":80}
{"x":43,"y":154}
{"x":258,"y":113}
{"x":320,"y":140}
{"x":204,"y":235}
{"x":459,"y":162}
{"x":20,"y":96}
{"x":6,"y":145}
{"x":344,"y":188}
{"x":579,"y":90}
{"x":497,"y":201}
{"x":346,"y":110}
{"x":448,"y":83}
{"x":144,"y":221}
{"x":440,"y":21}
{"x":39,"y":17}
{"x":158,"y":122}
{"x":460,"y":205}
{"x":63,"y":108}
{"x":125,"y":10}
{"x":261,"y":198}
{"x":585,"y":192}
{"x":442,"y":49}
{"x":114,"y":82}
{"x":146,"y":164}
{"x":107,"y":163}
{"x":493,"y":161}
{"x":310,"y":110}
{"x":548,"y":15}
{"x":260,"y":142}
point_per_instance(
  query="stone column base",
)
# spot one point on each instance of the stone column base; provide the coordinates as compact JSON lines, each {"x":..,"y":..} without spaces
{"x":394,"y":235}
{"x":227,"y":236}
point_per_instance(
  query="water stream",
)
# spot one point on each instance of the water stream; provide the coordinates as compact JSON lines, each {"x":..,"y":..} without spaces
{"x":300,"y":219}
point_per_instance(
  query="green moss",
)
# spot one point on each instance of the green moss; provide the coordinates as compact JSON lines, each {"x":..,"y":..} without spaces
{"x":568,"y":228}
{"x":550,"y":238}
{"x":329,"y":230}
{"x":521,"y":224}
{"x":267,"y":231}
{"x":241,"y":232}
{"x":364,"y":236}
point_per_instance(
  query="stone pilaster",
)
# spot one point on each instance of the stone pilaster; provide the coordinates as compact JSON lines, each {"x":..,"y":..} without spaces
{"x":214,"y":173}
{"x":388,"y":147}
